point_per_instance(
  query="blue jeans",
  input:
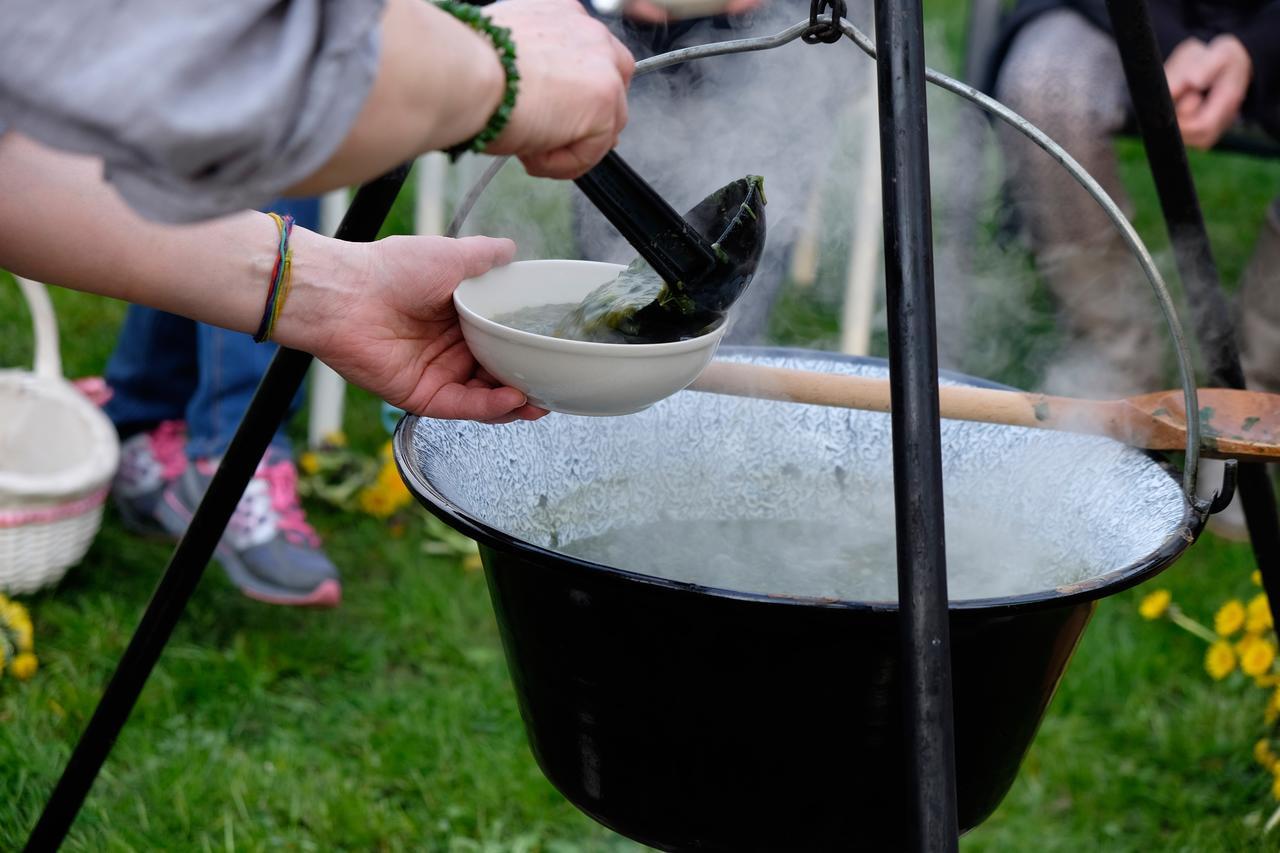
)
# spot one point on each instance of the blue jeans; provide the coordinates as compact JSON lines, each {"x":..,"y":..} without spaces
{"x":167,"y":367}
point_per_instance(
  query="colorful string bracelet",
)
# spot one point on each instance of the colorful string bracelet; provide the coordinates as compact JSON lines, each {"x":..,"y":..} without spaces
{"x":506,"y":48}
{"x":280,"y":279}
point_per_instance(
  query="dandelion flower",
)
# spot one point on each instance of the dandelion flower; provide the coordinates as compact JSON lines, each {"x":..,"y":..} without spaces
{"x":377,"y":502}
{"x":1258,"y":658}
{"x":1229,"y":618}
{"x":25,"y":637}
{"x":1258,"y":614}
{"x":309,"y":462}
{"x":1220,"y":660}
{"x":1262,"y":752}
{"x":1273,"y":707}
{"x":1154,"y":605}
{"x":24,"y":666}
{"x":1256,"y":577}
{"x":1275,"y":788}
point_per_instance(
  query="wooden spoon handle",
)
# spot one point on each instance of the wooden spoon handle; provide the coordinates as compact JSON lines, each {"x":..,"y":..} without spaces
{"x":957,"y":402}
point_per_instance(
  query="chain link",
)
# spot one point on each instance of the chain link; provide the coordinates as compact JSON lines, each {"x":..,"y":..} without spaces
{"x":824,"y":31}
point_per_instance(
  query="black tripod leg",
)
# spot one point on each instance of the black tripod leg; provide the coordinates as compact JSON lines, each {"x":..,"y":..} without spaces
{"x":265,"y":413}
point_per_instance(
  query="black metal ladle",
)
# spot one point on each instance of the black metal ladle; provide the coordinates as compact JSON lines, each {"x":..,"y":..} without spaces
{"x":679,"y":248}
{"x":670,"y":245}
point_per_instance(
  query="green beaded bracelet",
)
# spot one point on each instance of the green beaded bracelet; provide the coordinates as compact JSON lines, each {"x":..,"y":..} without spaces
{"x":501,"y":38}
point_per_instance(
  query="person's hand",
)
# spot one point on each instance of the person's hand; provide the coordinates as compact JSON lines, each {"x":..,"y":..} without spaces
{"x":1208,"y":83}
{"x":393,"y":330}
{"x":574,"y":76}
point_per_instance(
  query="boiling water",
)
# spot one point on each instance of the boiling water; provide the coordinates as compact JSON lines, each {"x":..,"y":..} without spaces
{"x":824,"y":559}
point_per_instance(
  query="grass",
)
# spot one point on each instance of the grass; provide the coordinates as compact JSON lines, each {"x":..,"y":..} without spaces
{"x":390,"y":724}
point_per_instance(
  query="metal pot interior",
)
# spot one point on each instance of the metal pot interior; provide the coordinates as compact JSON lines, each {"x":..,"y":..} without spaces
{"x":1030,"y":514}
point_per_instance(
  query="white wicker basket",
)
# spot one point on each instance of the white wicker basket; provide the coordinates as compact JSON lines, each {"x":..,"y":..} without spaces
{"x":58,"y":453}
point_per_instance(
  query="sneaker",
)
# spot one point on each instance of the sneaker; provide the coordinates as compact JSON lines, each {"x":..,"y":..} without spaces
{"x":149,"y":463}
{"x":268,"y":550}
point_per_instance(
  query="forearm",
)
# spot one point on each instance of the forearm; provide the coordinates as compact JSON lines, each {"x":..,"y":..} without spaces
{"x":60,"y":223}
{"x":438,"y":83}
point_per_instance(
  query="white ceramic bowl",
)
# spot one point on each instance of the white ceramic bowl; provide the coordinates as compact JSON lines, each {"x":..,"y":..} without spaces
{"x":573,"y":377}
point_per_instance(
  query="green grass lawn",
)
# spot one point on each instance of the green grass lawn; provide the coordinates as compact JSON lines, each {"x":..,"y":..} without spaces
{"x":390,"y":723}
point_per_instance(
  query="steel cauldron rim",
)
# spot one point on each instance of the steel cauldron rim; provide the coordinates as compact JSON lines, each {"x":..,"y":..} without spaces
{"x":1117,"y":580}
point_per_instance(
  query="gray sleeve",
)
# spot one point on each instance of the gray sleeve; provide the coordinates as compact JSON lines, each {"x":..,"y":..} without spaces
{"x":199,"y":108}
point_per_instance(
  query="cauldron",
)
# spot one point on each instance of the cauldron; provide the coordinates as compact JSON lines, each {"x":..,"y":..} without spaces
{"x":696,"y":718}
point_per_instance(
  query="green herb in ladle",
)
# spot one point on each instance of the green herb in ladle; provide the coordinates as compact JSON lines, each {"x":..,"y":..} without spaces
{"x":640,"y":307}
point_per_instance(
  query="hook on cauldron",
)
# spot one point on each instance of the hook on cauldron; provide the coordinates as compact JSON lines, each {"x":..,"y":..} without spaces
{"x":1227,"y":490}
{"x":824,"y":31}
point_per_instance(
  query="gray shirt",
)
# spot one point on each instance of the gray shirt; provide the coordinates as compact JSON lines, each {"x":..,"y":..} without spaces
{"x":197,"y":108}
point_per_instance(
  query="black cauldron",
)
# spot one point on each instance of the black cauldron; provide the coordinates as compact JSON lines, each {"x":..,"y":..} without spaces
{"x":694,"y":718}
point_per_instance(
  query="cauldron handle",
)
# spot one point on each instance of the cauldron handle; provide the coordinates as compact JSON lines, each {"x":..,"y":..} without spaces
{"x":1040,"y":138}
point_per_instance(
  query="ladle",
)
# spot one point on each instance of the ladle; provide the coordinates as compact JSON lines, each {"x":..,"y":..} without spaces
{"x":703,"y":278}
{"x":1234,"y":424}
{"x":669,"y":244}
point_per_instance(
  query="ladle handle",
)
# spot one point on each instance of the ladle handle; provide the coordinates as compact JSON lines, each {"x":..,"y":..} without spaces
{"x":659,"y":234}
{"x":957,"y":402}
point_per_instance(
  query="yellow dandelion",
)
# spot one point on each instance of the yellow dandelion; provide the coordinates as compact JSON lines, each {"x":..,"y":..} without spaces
{"x":1220,"y":660}
{"x":1258,"y":613}
{"x":377,"y":502}
{"x":390,"y":481}
{"x":25,"y":637}
{"x":1273,"y":707}
{"x":1258,"y":658}
{"x":337,"y":438}
{"x":1229,"y":618}
{"x":309,"y":462}
{"x":1154,"y":605}
{"x":1262,"y":752}
{"x":1256,"y":577}
{"x":1275,"y":788}
{"x":15,"y":615}
{"x":24,"y":666}
{"x":1245,"y":643}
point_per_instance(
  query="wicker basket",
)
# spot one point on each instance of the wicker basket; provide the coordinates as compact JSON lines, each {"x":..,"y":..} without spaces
{"x":58,"y":453}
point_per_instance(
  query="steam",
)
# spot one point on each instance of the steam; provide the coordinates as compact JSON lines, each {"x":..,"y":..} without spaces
{"x":796,"y":115}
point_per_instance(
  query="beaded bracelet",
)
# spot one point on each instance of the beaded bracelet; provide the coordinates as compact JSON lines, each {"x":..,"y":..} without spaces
{"x":280,"y":279}
{"x":501,"y":38}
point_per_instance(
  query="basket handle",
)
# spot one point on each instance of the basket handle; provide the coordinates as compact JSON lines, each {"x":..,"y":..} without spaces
{"x":48,"y":358}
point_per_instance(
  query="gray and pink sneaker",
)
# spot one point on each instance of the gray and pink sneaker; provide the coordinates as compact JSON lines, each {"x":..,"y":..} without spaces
{"x":268,"y":549}
{"x":149,"y":462}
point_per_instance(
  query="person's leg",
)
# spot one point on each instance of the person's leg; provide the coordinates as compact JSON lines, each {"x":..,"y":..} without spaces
{"x":1064,"y":75}
{"x":152,"y":374}
{"x":269,"y":551}
{"x":152,"y":371}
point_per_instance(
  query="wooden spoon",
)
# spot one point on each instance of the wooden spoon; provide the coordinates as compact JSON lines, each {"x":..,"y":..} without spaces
{"x":1237,"y":424}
